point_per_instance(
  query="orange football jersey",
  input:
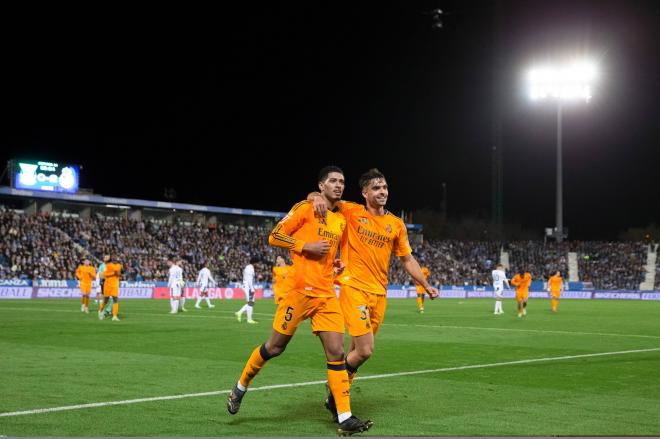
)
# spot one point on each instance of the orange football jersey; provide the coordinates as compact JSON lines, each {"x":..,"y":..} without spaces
{"x":522,"y":283}
{"x":313,"y":276}
{"x":367,"y":247}
{"x":555,"y":283}
{"x":112,"y":273}
{"x":86,"y":274}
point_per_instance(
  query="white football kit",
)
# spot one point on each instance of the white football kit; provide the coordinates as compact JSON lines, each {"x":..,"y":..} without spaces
{"x":175,"y":279}
{"x":248,"y":282}
{"x":204,"y":279}
{"x":499,"y":279}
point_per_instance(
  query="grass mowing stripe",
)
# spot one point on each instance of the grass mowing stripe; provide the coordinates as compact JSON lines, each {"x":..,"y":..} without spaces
{"x":132,"y":312}
{"x":310,"y":383}
{"x":479,"y":328}
{"x":540,"y":331}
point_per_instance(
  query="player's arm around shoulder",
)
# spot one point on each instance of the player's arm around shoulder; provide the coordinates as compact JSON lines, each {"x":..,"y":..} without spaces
{"x":320,"y":208}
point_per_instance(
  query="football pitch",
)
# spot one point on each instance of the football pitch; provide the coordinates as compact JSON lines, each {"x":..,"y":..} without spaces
{"x":457,"y":370}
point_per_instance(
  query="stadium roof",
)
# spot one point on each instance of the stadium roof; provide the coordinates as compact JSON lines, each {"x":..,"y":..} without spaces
{"x":131,"y":202}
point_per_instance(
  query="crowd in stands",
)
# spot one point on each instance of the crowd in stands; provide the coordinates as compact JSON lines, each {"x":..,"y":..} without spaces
{"x":607,"y":265}
{"x":145,"y":246}
{"x":453,"y":262}
{"x":51,"y":247}
{"x":32,"y":247}
{"x":611,"y":265}
{"x":539,"y":259}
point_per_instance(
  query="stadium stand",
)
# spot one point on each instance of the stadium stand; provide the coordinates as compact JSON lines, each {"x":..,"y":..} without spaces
{"x":32,"y":247}
{"x":51,"y":246}
{"x":539,"y":259}
{"x":453,"y":262}
{"x":611,"y":265}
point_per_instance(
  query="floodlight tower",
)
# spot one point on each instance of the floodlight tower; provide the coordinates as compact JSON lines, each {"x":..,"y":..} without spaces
{"x":570,"y":82}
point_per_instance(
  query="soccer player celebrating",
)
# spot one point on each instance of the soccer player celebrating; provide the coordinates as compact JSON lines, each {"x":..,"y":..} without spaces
{"x":281,"y":272}
{"x":522,"y":281}
{"x":248,"y":287}
{"x":313,"y":241}
{"x":499,"y":279}
{"x":86,"y":275}
{"x":174,"y":281}
{"x":555,"y":286}
{"x":111,"y":277}
{"x":372,"y":235}
{"x":203,"y":279}
{"x":421,"y":291}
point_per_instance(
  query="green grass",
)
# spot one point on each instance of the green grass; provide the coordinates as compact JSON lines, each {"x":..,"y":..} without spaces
{"x":52,"y":355}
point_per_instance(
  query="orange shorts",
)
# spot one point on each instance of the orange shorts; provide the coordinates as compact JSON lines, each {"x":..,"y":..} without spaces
{"x":363,"y":311}
{"x":296,"y":307}
{"x":522,"y":296}
{"x":86,"y":289}
{"x":555,"y":294}
{"x":110,"y":292}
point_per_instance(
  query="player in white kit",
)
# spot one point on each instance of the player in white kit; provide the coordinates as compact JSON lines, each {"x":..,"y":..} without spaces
{"x":204,"y":280}
{"x":248,"y":287}
{"x":499,"y":279}
{"x":175,"y":282}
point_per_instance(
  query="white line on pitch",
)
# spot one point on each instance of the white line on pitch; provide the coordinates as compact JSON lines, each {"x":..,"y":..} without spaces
{"x":310,"y":383}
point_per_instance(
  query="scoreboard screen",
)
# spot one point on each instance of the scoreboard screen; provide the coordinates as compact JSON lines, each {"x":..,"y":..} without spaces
{"x":45,"y":176}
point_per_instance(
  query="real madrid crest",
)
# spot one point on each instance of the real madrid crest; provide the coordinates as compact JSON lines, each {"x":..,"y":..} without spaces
{"x":388,"y":228}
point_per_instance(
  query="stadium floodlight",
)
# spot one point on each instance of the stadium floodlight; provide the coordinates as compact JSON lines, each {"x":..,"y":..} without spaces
{"x":570,"y":82}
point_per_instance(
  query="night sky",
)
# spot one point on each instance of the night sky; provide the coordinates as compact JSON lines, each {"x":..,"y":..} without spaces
{"x":240,"y":106}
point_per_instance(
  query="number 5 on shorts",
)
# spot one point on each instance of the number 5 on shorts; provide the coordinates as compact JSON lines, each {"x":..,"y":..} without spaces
{"x":288,"y":316}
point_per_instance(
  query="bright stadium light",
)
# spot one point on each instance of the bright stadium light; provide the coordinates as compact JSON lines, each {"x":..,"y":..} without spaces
{"x":570,"y":82}
{"x":573,"y":81}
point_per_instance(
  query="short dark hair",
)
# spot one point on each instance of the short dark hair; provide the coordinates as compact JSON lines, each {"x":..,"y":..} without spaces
{"x":326,"y":170}
{"x":368,"y":176}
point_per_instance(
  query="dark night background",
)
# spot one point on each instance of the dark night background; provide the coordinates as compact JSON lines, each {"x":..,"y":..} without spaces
{"x":240,"y":106}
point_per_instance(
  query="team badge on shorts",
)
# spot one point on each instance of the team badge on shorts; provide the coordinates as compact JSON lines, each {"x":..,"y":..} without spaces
{"x":284,"y":326}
